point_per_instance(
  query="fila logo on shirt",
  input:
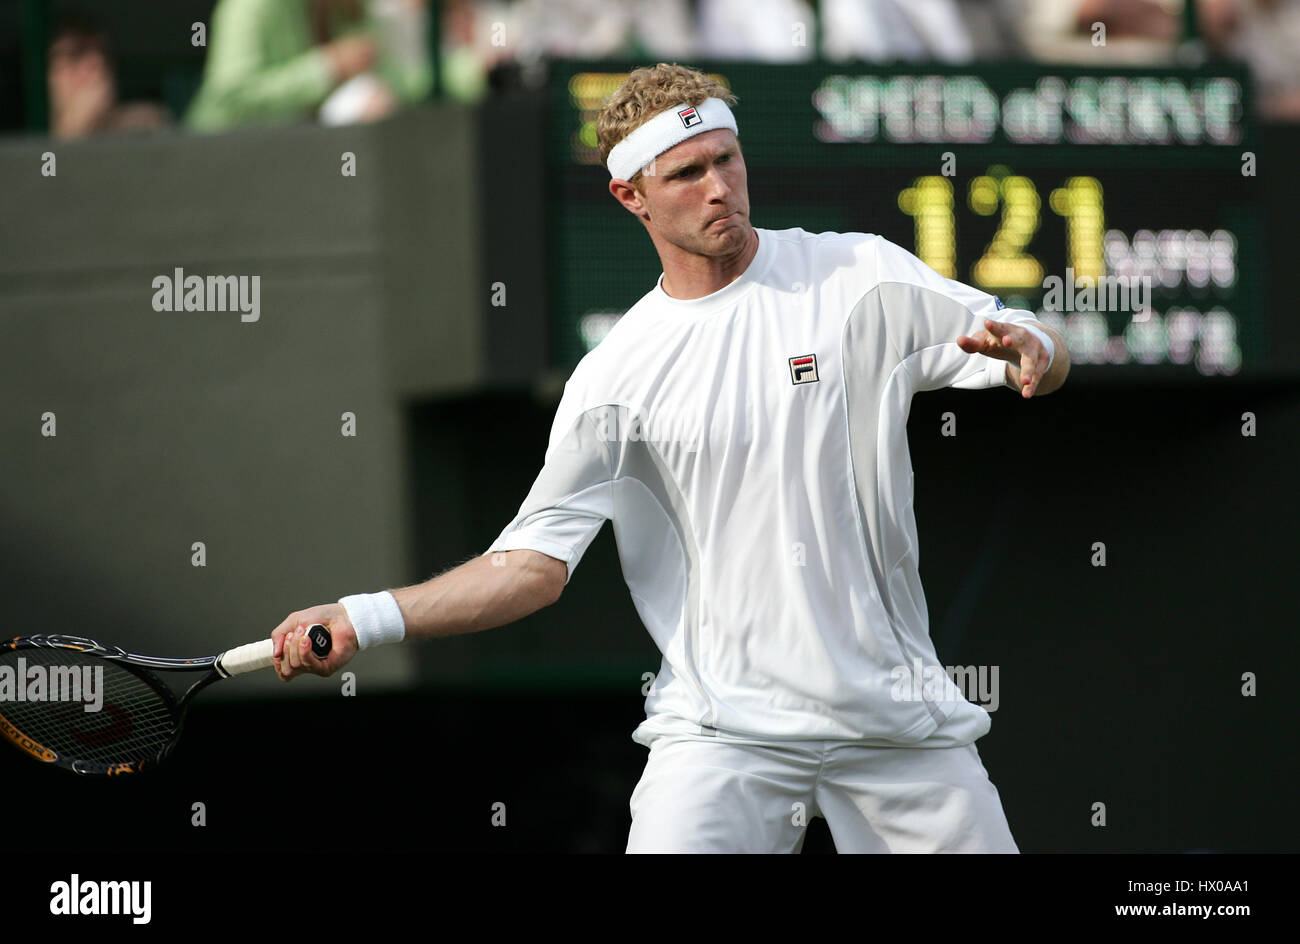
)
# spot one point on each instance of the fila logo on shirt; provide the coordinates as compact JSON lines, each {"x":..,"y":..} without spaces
{"x":690,"y":117}
{"x":803,"y":369}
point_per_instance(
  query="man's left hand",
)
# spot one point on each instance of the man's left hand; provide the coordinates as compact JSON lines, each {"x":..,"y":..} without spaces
{"x":1008,"y":342}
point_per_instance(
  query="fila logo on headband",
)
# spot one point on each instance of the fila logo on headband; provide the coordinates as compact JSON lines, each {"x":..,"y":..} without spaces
{"x":803,"y":369}
{"x":665,"y":130}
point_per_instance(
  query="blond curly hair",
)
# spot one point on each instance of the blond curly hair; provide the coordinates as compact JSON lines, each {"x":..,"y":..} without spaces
{"x":647,"y":92}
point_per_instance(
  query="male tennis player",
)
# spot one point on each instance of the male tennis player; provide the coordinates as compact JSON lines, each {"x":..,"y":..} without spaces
{"x":744,"y":426}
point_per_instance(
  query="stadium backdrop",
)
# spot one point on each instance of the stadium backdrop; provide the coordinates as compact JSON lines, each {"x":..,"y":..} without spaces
{"x":1031,"y":183}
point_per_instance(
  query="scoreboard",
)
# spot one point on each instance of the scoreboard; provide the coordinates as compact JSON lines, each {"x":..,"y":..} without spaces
{"x":1120,"y":206}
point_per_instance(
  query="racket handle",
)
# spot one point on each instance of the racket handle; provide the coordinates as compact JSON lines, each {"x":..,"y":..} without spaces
{"x":261,"y":654}
{"x":249,"y":658}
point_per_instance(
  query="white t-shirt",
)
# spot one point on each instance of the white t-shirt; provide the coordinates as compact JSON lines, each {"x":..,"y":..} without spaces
{"x":750,"y":448}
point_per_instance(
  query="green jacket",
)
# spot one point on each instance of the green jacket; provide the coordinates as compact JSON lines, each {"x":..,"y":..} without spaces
{"x":263,"y":66}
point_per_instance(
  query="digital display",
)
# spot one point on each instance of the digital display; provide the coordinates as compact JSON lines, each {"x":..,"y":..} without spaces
{"x":1120,"y":207}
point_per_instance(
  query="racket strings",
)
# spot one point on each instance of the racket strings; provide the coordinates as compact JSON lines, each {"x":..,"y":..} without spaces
{"x":135,"y":721}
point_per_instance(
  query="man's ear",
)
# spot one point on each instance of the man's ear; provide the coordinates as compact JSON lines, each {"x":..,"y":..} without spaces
{"x":629,"y":196}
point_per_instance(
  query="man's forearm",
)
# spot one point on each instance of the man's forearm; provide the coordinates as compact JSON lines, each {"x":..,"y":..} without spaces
{"x":488,"y":591}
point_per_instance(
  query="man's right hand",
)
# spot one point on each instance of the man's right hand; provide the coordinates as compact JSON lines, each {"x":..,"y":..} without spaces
{"x":350,"y":56}
{"x":293,"y":655}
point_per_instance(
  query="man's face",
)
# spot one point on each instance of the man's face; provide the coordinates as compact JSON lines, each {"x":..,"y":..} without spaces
{"x":688,"y":190}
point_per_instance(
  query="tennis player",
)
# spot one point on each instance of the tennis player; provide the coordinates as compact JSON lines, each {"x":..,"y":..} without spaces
{"x":744,"y":427}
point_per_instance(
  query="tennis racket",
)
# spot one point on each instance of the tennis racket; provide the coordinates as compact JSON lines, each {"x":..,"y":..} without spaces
{"x":139,"y":718}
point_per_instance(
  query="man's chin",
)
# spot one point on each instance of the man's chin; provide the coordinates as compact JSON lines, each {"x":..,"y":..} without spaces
{"x":719,"y":241}
{"x":740,"y":235}
{"x":731,"y":232}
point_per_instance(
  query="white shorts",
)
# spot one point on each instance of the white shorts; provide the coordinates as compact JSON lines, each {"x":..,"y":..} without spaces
{"x":702,"y":794}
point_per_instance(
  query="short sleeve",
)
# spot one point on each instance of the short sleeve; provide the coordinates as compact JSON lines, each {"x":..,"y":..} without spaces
{"x":571,"y":497}
{"x":925,"y":314}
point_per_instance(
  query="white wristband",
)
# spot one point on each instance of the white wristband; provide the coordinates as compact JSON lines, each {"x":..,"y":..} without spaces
{"x":376,"y":617}
{"x":1042,"y":336}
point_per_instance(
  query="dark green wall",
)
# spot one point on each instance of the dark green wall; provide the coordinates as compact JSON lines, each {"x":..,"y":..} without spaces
{"x":176,"y":427}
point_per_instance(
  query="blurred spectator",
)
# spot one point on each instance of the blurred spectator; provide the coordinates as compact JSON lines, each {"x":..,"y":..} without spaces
{"x":279,"y":60}
{"x":403,"y":73}
{"x":1266,"y":35}
{"x":480,"y":44}
{"x":760,"y":30}
{"x":599,"y":29}
{"x":1136,"y":32}
{"x":991,"y":26}
{"x":466,"y":59}
{"x":884,"y":30}
{"x":83,"y":91}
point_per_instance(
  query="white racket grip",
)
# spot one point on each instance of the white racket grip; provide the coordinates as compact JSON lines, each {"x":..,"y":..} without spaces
{"x":249,"y":658}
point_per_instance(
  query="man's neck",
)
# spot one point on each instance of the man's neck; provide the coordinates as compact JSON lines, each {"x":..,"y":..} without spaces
{"x":688,"y":275}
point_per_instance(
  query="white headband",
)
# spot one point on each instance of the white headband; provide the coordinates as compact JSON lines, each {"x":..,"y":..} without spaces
{"x":665,"y":130}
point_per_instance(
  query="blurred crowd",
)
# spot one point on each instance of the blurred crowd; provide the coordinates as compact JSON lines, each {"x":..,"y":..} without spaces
{"x":344,"y":61}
